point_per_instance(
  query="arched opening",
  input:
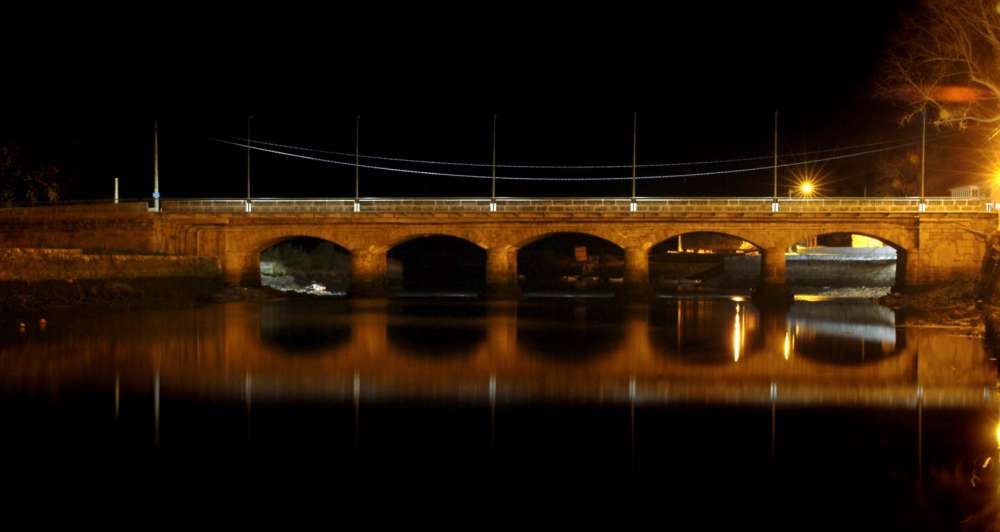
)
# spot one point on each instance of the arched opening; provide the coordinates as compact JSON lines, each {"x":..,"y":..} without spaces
{"x":841,"y":332}
{"x":437,"y":265}
{"x":704,"y":262}
{"x":304,"y":330}
{"x":844,"y":264}
{"x":306,"y":265}
{"x":705,"y":330}
{"x":570,"y":263}
{"x":571,"y":331}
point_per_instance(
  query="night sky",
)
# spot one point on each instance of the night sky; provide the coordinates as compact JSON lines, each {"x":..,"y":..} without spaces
{"x":705,"y":81}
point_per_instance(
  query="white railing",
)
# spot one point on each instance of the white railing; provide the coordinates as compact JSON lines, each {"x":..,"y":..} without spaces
{"x":579,"y":205}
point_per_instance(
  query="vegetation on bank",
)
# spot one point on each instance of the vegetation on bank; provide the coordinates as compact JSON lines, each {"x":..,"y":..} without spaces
{"x":297,"y":264}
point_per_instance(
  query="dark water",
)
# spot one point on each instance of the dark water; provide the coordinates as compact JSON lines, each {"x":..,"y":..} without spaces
{"x":826,"y":405}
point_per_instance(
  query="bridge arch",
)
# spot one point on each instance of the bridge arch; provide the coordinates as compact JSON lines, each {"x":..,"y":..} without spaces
{"x":672,"y":236}
{"x":303,"y":264}
{"x":704,"y":258}
{"x":533,"y":236}
{"x":269,"y":241}
{"x":569,"y":261}
{"x":898,"y":238}
{"x":436,"y":262}
{"x":457,"y":235}
{"x":848,"y":257}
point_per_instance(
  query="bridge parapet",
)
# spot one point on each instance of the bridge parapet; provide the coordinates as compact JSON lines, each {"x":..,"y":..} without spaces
{"x":581,"y":205}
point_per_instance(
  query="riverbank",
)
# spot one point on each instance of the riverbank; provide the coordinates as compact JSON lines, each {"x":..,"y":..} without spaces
{"x":952,"y":306}
{"x":28,"y":303}
{"x":35,"y":283}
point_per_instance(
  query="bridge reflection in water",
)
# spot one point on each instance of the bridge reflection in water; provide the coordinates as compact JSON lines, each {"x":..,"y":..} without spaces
{"x":708,"y":351}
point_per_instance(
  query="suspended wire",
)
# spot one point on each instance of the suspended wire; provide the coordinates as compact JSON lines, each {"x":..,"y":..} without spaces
{"x":243,"y":141}
{"x":571,"y":178}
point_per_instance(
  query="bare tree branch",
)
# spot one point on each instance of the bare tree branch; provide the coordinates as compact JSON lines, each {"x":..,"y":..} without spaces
{"x":946,"y":58}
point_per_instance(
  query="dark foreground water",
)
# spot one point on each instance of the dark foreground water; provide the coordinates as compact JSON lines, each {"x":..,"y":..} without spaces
{"x":826,"y":406}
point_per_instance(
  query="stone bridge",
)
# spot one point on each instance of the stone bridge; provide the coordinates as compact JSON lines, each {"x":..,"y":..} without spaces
{"x":937,"y":241}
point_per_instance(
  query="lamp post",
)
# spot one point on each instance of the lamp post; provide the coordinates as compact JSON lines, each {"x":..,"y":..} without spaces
{"x":156,"y":167}
{"x":633,"y":206}
{"x":774,"y":196}
{"x":247,"y":203}
{"x":493,"y":166}
{"x":923,"y":156}
{"x":357,"y":163}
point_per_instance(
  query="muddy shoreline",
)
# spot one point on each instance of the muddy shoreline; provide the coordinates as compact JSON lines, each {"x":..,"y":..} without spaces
{"x":29,"y":302}
{"x":956,"y":306}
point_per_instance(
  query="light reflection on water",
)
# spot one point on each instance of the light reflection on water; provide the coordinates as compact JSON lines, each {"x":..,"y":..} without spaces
{"x":693,"y":349}
{"x":678,"y":385}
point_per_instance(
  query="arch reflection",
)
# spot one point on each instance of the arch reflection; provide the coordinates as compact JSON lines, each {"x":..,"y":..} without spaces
{"x":435,"y":328}
{"x":571,"y":330}
{"x":842,"y":332}
{"x":295,"y":329}
{"x":705,"y":331}
{"x":433,"y":339}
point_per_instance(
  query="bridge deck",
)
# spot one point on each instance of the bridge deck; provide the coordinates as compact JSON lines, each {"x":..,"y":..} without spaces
{"x":579,"y":205}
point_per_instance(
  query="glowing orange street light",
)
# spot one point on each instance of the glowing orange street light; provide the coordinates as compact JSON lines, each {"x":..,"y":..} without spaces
{"x":806,"y":188}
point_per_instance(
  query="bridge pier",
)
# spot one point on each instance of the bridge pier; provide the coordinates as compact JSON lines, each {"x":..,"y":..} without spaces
{"x":773,"y":277}
{"x":369,"y":268}
{"x":637,"y":286}
{"x":906,"y":269}
{"x":241,"y":269}
{"x":501,"y":273}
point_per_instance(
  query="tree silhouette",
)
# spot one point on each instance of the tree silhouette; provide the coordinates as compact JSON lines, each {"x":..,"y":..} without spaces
{"x":23,"y":180}
{"x":946,"y":58}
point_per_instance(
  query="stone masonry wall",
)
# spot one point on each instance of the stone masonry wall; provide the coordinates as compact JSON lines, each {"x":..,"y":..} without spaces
{"x":32,"y":265}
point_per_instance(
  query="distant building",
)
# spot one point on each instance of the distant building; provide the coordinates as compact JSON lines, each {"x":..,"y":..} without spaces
{"x":968,"y":191}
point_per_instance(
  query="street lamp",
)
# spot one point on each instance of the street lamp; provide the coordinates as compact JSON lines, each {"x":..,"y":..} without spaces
{"x":806,"y":183}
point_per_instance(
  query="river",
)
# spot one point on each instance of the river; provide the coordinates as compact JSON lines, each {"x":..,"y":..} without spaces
{"x":825,"y":395}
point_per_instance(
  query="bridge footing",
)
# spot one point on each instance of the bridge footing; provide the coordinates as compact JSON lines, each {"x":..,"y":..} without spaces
{"x":503,"y":293}
{"x":635,"y":294}
{"x":773,"y":295}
